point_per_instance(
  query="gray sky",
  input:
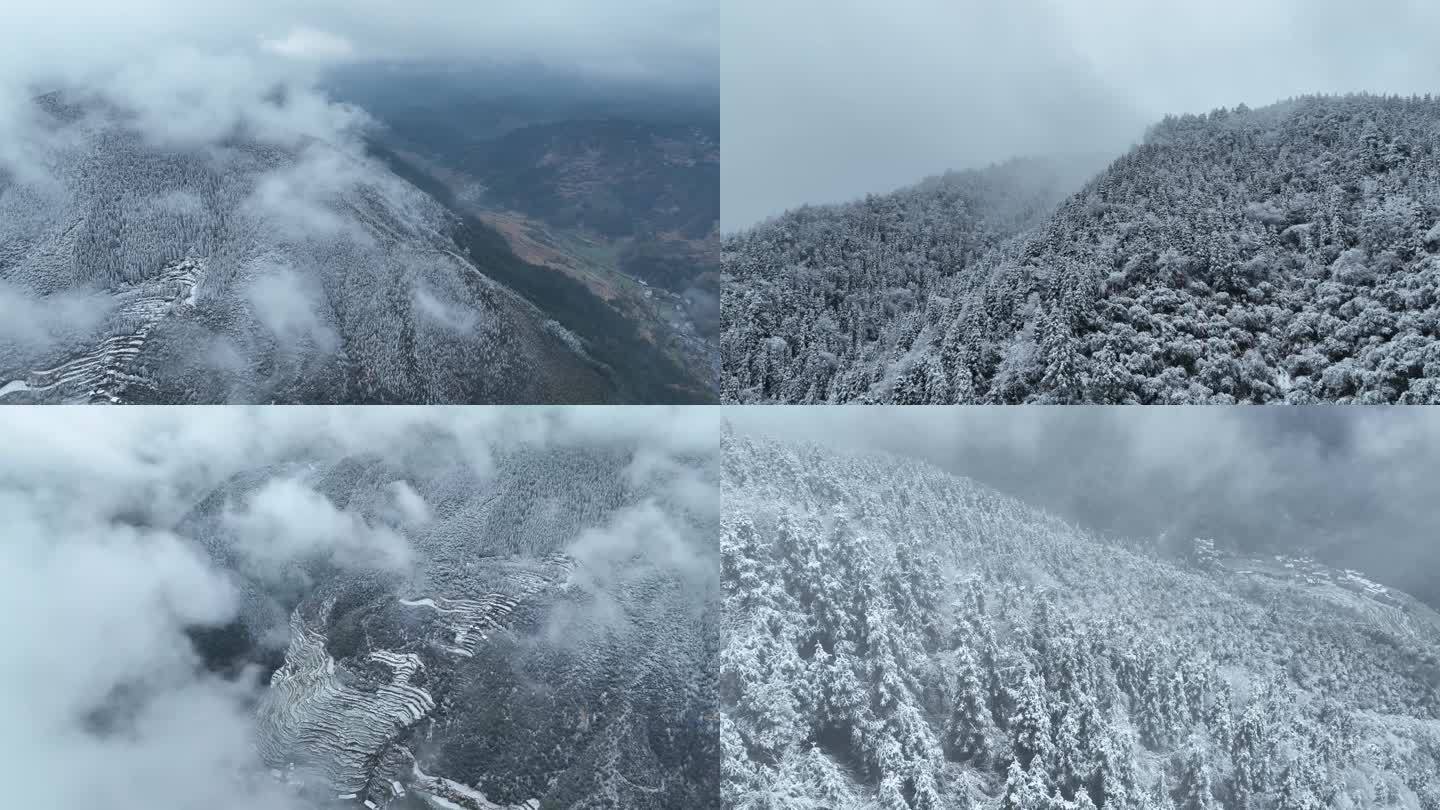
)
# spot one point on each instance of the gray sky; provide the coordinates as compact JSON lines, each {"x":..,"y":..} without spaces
{"x":617,"y":36}
{"x":1358,"y":486}
{"x":197,"y":67}
{"x":826,"y":100}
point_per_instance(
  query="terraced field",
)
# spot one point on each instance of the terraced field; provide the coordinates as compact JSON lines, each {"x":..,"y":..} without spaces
{"x":349,"y":724}
{"x":105,"y":372}
{"x":1371,"y":603}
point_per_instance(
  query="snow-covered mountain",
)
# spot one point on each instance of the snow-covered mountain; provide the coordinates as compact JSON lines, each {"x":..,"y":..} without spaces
{"x":254,"y":271}
{"x":897,"y":637}
{"x":1280,"y":254}
{"x":528,"y":658}
{"x":808,"y":294}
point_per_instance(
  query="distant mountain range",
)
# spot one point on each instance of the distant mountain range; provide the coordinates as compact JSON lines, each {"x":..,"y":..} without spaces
{"x":899,"y":638}
{"x":1283,"y":254}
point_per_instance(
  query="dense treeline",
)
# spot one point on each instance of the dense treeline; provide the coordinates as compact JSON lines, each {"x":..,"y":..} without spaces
{"x":586,"y":680}
{"x":902,"y":639}
{"x":808,"y":294}
{"x":1281,"y":254}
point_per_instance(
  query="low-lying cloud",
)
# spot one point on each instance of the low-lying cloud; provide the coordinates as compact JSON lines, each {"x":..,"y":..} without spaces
{"x":288,"y":305}
{"x":105,"y":695}
{"x":285,"y":521}
{"x":1356,"y":487}
{"x":192,"y":74}
{"x":825,"y":101}
{"x":82,"y":41}
{"x":31,"y":323}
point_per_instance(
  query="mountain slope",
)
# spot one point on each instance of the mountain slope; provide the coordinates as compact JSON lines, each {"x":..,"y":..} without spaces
{"x":810,"y":298}
{"x":1280,"y":254}
{"x":897,"y":637}
{"x":613,"y":186}
{"x":613,"y":332}
{"x":524,"y":660}
{"x":253,"y":271}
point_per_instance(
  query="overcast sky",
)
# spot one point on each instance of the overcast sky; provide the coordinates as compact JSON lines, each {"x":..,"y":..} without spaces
{"x":826,"y":100}
{"x":172,"y":54}
{"x":196,"y":69}
{"x":1358,"y":486}
{"x":618,"y":36}
{"x":216,"y":62}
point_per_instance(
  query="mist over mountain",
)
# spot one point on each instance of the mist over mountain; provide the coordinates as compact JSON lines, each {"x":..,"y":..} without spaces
{"x":1281,"y":254}
{"x":826,"y":103}
{"x":609,"y":185}
{"x":191,"y":216}
{"x":901,"y":637}
{"x":255,"y":271}
{"x":808,"y":293}
{"x":407,"y":608}
{"x":1352,"y":488}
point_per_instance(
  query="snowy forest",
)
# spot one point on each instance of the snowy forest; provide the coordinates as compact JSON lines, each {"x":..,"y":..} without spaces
{"x":361,"y":608}
{"x":900,"y":638}
{"x":299,"y":272}
{"x":1280,"y":254}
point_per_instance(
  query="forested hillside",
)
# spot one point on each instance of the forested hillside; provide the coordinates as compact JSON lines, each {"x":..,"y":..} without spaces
{"x":255,"y":270}
{"x":612,"y":184}
{"x":899,"y":638}
{"x":1280,"y":254}
{"x":538,"y":652}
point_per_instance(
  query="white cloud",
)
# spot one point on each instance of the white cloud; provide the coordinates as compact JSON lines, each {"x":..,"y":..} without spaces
{"x":194,"y":72}
{"x":310,"y":43}
{"x":29,"y":322}
{"x":287,"y":305}
{"x":97,"y":589}
{"x":411,"y":508}
{"x":286,"y":522}
{"x":100,"y":695}
{"x":452,"y":317}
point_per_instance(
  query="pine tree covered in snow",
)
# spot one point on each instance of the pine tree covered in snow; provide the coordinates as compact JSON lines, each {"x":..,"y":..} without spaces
{"x":1036,"y":666}
{"x":1289,"y":253}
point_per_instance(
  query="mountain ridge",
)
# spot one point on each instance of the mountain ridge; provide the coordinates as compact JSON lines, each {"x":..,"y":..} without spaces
{"x":504,"y":663}
{"x":313,"y":273}
{"x":898,"y":637}
{"x":1277,"y":254}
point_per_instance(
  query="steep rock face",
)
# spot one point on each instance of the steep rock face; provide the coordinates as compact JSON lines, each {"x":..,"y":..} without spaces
{"x":1280,"y":254}
{"x":499,"y":670}
{"x":897,"y":637}
{"x":251,"y":272}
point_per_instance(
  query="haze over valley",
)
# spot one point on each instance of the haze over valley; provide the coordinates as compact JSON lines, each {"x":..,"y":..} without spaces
{"x":199,"y":207}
